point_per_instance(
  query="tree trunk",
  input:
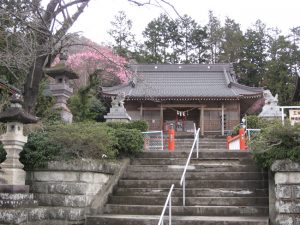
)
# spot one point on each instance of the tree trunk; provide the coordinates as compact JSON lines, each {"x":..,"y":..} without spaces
{"x":32,"y":84}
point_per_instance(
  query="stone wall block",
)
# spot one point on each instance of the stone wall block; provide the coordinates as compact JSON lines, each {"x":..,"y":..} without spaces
{"x":287,"y":178}
{"x":57,"y":213}
{"x":13,"y":216}
{"x":75,"y":201}
{"x":60,"y":188}
{"x":87,"y":177}
{"x":297,"y":191}
{"x":284,"y":220}
{"x":93,"y":189}
{"x":38,"y":214}
{"x":76,"y":214}
{"x":79,"y":188}
{"x":55,"y":176}
{"x":39,"y":187}
{"x":283,"y":191}
{"x":100,"y":178}
{"x":288,"y":206}
{"x":50,"y":199}
{"x":47,"y":176}
{"x":297,"y":219}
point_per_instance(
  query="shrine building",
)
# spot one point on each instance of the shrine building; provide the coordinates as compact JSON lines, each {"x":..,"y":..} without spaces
{"x":183,"y":94}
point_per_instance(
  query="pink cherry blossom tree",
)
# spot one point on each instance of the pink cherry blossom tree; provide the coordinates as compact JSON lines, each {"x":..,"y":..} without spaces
{"x":89,"y":58}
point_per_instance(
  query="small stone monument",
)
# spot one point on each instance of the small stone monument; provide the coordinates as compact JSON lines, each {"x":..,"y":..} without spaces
{"x":61,"y":88}
{"x":270,"y":110}
{"x":12,"y":173}
{"x":117,"y":111}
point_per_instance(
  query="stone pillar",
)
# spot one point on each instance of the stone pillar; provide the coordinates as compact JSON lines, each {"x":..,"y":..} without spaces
{"x":287,"y":192}
{"x":12,"y":173}
{"x":13,"y":141}
{"x":60,"y":89}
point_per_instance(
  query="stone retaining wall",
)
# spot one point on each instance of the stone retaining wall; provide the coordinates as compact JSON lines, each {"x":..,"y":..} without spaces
{"x":65,"y":192}
{"x":287,"y":192}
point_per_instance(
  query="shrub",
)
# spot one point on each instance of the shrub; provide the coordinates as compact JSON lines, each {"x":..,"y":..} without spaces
{"x":67,"y":141}
{"x":2,"y":153}
{"x":130,"y":141}
{"x":276,"y":142}
{"x":39,"y":150}
{"x":140,"y":125}
{"x":84,"y":140}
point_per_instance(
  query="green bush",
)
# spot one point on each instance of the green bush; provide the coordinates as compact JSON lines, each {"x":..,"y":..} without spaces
{"x":84,"y":140}
{"x":276,"y":142}
{"x":77,"y":140}
{"x":130,"y":141}
{"x":2,"y":153}
{"x":39,"y":150}
{"x":140,"y":125}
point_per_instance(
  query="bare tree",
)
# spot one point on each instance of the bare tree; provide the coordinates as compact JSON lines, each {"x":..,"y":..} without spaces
{"x":39,"y":33}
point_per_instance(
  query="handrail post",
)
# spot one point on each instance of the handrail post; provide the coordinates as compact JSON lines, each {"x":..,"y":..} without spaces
{"x":183,"y":190}
{"x":170,"y":210}
{"x":197,"y":143}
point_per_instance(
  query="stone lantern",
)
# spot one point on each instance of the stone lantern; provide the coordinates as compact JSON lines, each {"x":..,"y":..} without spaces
{"x":12,"y":173}
{"x":61,"y":89}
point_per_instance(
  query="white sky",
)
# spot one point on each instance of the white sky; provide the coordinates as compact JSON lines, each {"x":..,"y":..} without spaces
{"x":95,"y":20}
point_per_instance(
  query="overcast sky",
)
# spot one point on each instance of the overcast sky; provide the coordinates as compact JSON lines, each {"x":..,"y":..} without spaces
{"x":95,"y":20}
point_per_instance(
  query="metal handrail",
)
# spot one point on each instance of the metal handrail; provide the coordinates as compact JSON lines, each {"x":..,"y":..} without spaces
{"x":168,"y":201}
{"x":182,"y":181}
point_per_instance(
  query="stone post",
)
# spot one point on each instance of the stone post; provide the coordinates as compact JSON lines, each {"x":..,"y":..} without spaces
{"x":287,"y":192}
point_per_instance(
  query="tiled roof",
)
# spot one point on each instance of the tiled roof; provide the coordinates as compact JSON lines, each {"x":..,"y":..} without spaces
{"x":184,"y":81}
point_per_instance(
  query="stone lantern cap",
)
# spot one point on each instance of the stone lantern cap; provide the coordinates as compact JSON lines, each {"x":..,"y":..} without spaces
{"x":61,"y":69}
{"x":15,"y":112}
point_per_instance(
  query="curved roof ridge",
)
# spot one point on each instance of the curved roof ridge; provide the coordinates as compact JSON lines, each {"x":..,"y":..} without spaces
{"x":256,"y":89}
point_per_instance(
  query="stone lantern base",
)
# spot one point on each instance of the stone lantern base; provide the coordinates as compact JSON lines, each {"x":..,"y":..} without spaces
{"x":117,"y":114}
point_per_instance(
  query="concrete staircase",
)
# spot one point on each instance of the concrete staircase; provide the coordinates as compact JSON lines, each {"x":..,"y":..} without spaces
{"x":223,"y":188}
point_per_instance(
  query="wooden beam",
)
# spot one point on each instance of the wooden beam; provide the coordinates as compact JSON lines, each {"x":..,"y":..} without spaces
{"x":202,"y":121}
{"x":222,"y":119}
{"x":182,"y":105}
{"x":150,"y":108}
{"x":161,"y":117}
{"x":141,"y":111}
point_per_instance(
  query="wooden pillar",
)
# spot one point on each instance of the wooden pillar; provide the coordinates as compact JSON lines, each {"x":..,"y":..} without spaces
{"x":141,"y":111}
{"x":161,"y":117}
{"x":202,"y":121}
{"x":222,"y":120}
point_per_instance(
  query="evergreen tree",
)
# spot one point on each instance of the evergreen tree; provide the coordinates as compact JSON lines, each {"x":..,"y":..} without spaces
{"x":157,"y":43}
{"x":121,"y":34}
{"x":231,"y":47}
{"x":252,"y":66}
{"x":280,"y":76}
{"x":214,"y":31}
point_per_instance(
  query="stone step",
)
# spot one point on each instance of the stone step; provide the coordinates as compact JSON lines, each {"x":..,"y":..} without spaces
{"x":41,"y":213}
{"x":194,"y":175}
{"x":64,"y":200}
{"x":194,"y":183}
{"x":190,"y":201}
{"x":188,"y":210}
{"x":205,"y":167}
{"x":200,"y":192}
{"x":202,"y":154}
{"x":182,"y":161}
{"x":114,"y":219}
